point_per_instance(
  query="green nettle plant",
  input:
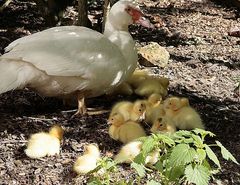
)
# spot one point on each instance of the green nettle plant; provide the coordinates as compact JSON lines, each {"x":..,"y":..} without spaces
{"x":183,"y":157}
{"x":101,"y":175}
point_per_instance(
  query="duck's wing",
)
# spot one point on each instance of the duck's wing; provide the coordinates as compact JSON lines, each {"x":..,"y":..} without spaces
{"x":67,"y":51}
{"x":16,"y":73}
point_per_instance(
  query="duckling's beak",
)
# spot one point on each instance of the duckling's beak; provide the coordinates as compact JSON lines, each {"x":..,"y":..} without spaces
{"x":109,"y":123}
{"x":143,"y":116}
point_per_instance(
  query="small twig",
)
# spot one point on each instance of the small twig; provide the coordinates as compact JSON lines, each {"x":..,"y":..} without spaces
{"x":41,"y":119}
{"x":13,"y":141}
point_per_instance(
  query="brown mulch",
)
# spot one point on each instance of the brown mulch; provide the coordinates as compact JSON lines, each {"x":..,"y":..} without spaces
{"x":204,"y":62}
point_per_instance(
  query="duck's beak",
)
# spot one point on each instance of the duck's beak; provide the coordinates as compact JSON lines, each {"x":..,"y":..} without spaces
{"x":144,"y":22}
{"x":138,"y":18}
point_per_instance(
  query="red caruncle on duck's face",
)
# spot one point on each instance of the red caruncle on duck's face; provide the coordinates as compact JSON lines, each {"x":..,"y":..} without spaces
{"x":136,"y":14}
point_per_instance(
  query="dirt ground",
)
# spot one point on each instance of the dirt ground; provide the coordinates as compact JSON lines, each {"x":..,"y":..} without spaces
{"x":204,"y":62}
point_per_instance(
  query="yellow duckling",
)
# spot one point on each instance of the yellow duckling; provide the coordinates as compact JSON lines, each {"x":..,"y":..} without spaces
{"x":115,"y":121}
{"x":150,"y":86}
{"x":45,"y":144}
{"x":137,"y":77}
{"x":163,"y":125}
{"x":152,"y":103}
{"x":130,"y":111}
{"x":129,"y":151}
{"x":88,"y":161}
{"x":130,"y":131}
{"x":182,"y":114}
{"x":126,"y":131}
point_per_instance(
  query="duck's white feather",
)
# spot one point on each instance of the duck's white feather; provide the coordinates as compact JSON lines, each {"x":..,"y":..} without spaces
{"x":68,"y":59}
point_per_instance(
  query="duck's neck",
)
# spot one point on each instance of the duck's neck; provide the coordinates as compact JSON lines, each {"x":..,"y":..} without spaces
{"x":110,"y":28}
{"x":126,"y":45}
{"x":119,"y":35}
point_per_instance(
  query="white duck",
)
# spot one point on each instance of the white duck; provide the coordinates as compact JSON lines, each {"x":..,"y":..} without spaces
{"x":73,"y":60}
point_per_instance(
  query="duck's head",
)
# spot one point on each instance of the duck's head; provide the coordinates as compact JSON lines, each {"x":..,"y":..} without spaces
{"x":139,"y":108}
{"x":155,"y":99}
{"x":172,"y":103}
{"x":56,"y":131}
{"x":116,"y":120}
{"x":125,"y":12}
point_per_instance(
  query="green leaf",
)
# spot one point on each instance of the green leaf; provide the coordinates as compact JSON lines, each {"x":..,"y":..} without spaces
{"x":183,"y":133}
{"x":207,"y":165}
{"x":148,"y":145}
{"x":94,"y":181}
{"x":198,"y":142}
{"x":176,"y":172}
{"x":139,"y":168}
{"x":199,"y":175}
{"x":188,"y":140}
{"x":201,"y":154}
{"x":159,"y":166}
{"x":153,"y":182}
{"x":166,"y":139}
{"x":212,"y":155}
{"x":182,"y":154}
{"x":203,"y":132}
{"x":140,"y":159}
{"x":226,"y":154}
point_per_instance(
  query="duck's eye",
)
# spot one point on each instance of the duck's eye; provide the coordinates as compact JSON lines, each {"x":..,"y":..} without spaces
{"x":140,"y":110}
{"x":128,"y":9}
{"x":161,"y":125}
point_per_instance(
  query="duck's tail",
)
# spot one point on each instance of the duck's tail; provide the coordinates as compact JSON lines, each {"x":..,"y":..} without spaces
{"x":16,"y":74}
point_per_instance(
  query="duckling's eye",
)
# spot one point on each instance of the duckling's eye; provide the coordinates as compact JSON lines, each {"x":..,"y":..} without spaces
{"x":140,"y":110}
{"x":161,"y":125}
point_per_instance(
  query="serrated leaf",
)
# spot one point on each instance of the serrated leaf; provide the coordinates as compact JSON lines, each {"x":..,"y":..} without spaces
{"x":139,"y":168}
{"x":159,"y":166}
{"x":109,"y":165}
{"x":201,"y":154}
{"x":182,"y":154}
{"x":226,"y":154}
{"x":166,"y":139}
{"x":199,"y":175}
{"x":153,"y":182}
{"x":176,"y":172}
{"x":184,"y":133}
{"x":197,"y":141}
{"x":188,"y":140}
{"x":207,"y":165}
{"x":203,"y":132}
{"x":148,"y":145}
{"x":140,"y":159}
{"x":212,"y":155}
